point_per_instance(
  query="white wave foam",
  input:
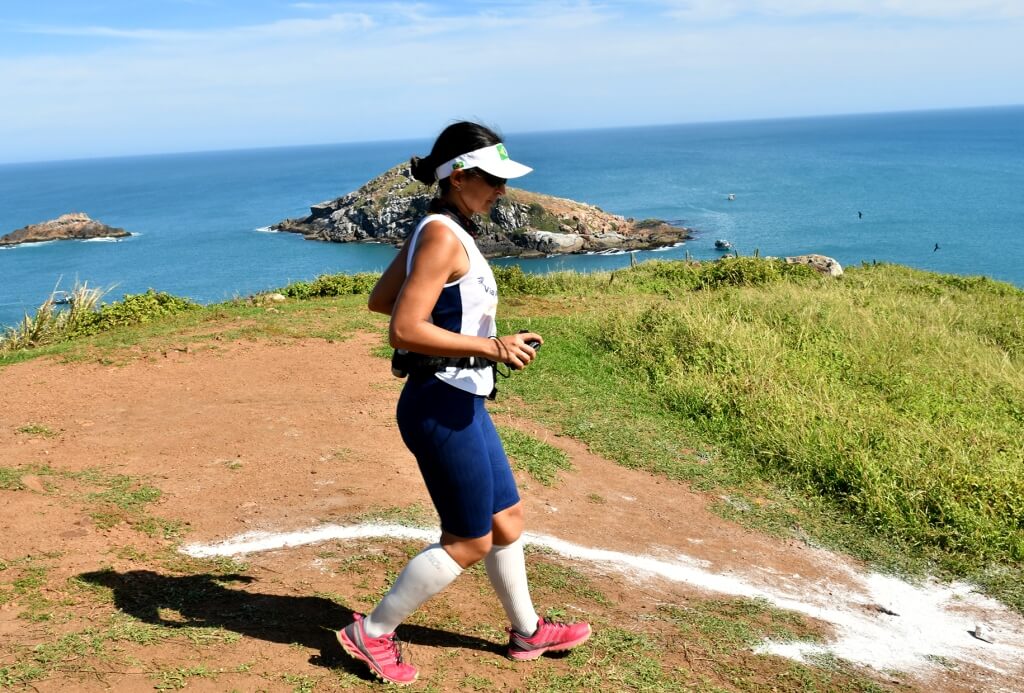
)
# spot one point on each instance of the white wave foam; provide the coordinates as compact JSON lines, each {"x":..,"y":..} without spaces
{"x":609,"y":251}
{"x":265,"y":229}
{"x":37,"y":244}
{"x":934,"y":622}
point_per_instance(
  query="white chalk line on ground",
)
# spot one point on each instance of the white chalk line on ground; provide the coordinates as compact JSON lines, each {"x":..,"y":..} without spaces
{"x":934,"y":624}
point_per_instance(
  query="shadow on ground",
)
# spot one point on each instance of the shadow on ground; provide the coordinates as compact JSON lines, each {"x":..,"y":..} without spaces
{"x":217,"y":601}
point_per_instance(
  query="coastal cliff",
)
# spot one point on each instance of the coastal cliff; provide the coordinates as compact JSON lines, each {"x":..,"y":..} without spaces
{"x":67,"y":226}
{"x":387,"y":208}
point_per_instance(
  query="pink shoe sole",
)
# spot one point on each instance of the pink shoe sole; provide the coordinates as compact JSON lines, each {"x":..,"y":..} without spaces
{"x":352,"y":651}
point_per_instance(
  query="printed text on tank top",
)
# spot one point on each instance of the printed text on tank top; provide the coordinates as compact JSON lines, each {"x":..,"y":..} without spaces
{"x":467,"y":305}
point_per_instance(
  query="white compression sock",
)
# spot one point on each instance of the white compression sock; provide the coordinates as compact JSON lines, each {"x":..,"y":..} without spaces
{"x":429,"y":572}
{"x":506,"y":566}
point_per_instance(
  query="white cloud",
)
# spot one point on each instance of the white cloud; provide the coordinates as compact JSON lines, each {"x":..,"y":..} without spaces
{"x":285,"y":28}
{"x":111,"y":32}
{"x":717,"y":10}
{"x":404,"y":19}
{"x":404,"y":70}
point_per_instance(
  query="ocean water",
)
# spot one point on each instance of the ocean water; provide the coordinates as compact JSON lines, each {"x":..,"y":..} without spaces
{"x":883,"y":187}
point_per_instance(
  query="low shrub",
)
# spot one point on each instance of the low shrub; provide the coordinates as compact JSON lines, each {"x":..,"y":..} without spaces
{"x":132,"y":309}
{"x":299,"y":289}
{"x":543,"y":220}
{"x":52,"y":323}
{"x":662,"y":277}
{"x":327,"y":285}
{"x":750,"y":271}
{"x":512,"y":279}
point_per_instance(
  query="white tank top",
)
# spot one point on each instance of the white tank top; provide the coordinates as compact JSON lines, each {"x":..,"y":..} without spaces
{"x":467,"y":305}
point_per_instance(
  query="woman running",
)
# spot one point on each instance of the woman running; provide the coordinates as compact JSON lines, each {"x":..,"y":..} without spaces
{"x":442,"y":299}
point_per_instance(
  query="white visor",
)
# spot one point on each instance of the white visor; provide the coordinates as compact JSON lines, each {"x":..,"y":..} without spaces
{"x":493,"y":160}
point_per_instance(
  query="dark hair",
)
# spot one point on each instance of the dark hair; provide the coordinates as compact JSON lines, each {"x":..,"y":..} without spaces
{"x":457,"y":138}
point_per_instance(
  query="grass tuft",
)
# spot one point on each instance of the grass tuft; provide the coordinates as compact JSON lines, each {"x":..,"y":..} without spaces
{"x":37,"y":430}
{"x":539,"y":459}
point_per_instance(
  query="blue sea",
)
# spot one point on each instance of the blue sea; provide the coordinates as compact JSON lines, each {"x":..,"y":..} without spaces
{"x":887,"y":187}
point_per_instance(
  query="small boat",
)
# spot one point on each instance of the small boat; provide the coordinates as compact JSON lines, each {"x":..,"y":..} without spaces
{"x":732,"y":196}
{"x":722,"y":244}
{"x":62,"y":298}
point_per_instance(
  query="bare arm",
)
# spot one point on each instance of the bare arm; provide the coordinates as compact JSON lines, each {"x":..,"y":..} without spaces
{"x":440,"y":258}
{"x":385,"y":293}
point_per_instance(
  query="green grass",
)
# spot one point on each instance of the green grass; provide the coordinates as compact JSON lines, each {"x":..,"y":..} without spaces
{"x":10,"y":479}
{"x":109,"y":499}
{"x":178,"y":678}
{"x":884,"y":408}
{"x":37,"y":430}
{"x":539,"y":459}
{"x":709,"y":652}
{"x":30,"y":582}
{"x":562,"y":582}
{"x":734,"y":624}
{"x":28,"y":588}
{"x":300,"y":683}
{"x":613,"y":659}
{"x":414,"y":515}
{"x":908,"y":425}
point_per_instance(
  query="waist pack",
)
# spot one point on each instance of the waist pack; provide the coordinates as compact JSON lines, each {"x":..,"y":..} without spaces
{"x":405,"y":362}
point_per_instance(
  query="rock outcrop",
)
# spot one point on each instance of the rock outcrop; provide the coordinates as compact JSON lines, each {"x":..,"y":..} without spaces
{"x":67,"y":226}
{"x":822,"y":263}
{"x":522,"y":223}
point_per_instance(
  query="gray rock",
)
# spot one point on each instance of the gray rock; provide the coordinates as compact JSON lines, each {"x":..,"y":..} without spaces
{"x":551,"y":243}
{"x":822,"y":263}
{"x":387,"y":208}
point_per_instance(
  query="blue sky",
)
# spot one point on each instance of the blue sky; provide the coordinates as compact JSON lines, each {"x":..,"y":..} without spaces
{"x":113,"y":77}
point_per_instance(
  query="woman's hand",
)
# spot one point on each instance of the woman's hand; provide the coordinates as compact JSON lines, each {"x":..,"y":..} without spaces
{"x":513,"y":349}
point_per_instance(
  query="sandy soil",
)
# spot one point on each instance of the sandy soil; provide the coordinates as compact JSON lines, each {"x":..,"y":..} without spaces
{"x":246,"y":437}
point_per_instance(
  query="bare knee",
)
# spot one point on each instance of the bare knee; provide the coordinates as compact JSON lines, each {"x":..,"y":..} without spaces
{"x":508,"y":525}
{"x":466,"y":552}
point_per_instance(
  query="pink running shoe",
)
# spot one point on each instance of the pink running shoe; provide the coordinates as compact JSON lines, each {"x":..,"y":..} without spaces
{"x":549,"y":636}
{"x":380,"y":654}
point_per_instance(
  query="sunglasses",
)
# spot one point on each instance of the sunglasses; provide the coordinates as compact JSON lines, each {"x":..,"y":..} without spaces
{"x":486,"y":177}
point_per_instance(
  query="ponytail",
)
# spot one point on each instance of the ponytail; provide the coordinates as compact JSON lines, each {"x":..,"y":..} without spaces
{"x":423,"y":170}
{"x":456,"y":139}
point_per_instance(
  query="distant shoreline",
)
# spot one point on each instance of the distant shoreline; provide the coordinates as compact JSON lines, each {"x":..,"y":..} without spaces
{"x":415,"y":143}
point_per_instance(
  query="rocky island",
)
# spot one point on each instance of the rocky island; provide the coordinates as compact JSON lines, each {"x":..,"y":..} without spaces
{"x":67,"y":226}
{"x":525,"y":224}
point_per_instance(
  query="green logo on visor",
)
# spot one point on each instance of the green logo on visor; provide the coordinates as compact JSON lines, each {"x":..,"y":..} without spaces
{"x":502,"y":152}
{"x":457,"y":164}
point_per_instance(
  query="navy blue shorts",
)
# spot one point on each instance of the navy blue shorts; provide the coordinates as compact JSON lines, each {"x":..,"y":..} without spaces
{"x":459,"y":453}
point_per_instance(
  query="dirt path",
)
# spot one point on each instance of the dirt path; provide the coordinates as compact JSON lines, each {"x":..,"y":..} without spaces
{"x":260,"y":437}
